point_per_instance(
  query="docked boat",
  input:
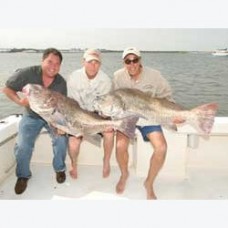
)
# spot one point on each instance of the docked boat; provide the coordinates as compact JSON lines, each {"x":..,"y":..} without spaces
{"x":220,"y":52}
{"x":195,"y":168}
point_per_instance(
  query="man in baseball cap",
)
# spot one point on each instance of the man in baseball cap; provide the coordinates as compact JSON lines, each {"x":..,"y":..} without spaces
{"x":131,"y":50}
{"x":136,"y":76}
{"x":85,"y":85}
{"x":92,"y":54}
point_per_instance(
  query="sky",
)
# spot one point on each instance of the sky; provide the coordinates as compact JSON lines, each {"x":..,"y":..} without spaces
{"x":155,"y":39}
{"x":164,"y":25}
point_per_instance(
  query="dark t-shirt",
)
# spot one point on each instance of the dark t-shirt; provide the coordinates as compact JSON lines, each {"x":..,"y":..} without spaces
{"x":33,"y":75}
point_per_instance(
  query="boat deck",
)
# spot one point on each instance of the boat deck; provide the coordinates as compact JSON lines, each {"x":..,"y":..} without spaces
{"x":195,"y":169}
{"x":199,"y":184}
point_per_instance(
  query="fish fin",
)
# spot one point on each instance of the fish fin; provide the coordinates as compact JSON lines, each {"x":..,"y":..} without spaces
{"x":171,"y":127}
{"x":91,"y":130}
{"x":127,"y":114}
{"x":205,"y":117}
{"x":149,"y":94}
{"x":93,"y":139}
{"x":58,"y":118}
{"x":127,"y":126}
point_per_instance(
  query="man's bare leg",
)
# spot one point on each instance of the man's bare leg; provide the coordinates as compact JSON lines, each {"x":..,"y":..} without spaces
{"x":158,"y":142}
{"x":122,"y":157}
{"x":73,"y":150}
{"x":108,"y":144}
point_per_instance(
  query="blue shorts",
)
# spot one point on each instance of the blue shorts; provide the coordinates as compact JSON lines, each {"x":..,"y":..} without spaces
{"x":148,"y":129}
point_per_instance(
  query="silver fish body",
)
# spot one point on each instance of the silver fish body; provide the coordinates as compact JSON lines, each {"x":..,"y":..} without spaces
{"x":65,"y":113}
{"x":132,"y":102}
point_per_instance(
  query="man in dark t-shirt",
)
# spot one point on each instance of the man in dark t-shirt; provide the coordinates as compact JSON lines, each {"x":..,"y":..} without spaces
{"x":47,"y":75}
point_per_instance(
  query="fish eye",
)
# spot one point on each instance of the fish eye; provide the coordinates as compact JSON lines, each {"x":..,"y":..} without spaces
{"x":99,"y":99}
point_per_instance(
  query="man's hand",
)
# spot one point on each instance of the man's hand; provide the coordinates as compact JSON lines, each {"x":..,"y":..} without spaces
{"x":60,"y":132}
{"x":178,"y":120}
{"x":24,"y":102}
{"x":109,"y":129}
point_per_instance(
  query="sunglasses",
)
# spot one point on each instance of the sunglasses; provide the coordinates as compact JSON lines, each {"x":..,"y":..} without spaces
{"x":129,"y":61}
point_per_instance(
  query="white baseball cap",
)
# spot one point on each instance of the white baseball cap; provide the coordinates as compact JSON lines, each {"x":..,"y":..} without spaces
{"x":131,"y":50}
{"x":92,"y":54}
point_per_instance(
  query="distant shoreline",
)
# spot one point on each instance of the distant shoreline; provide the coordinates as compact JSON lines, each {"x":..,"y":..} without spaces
{"x":78,"y":50}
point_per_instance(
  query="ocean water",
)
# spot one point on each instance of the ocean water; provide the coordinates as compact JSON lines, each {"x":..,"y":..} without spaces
{"x":195,"y":77}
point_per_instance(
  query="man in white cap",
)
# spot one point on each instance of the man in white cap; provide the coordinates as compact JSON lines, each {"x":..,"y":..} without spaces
{"x":84,"y":85}
{"x":134,"y":75}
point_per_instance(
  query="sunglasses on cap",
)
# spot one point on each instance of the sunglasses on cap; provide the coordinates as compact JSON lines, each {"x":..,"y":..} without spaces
{"x":129,"y":61}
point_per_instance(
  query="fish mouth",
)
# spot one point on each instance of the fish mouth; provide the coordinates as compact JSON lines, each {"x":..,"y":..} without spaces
{"x":25,"y":90}
{"x":96,"y":104}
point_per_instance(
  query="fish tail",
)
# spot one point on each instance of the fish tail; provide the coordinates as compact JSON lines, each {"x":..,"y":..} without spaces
{"x":205,"y":117}
{"x":127,"y":126}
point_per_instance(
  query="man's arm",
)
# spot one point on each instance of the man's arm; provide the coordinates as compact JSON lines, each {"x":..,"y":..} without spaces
{"x":12,"y":95}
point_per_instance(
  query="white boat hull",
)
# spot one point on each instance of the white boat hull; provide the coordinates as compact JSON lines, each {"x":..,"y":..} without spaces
{"x":192,"y":161}
{"x":220,"y":54}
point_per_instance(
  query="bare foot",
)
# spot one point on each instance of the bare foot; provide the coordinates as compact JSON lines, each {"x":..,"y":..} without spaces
{"x":73,"y":173}
{"x":120,"y":187}
{"x":150,"y":191}
{"x":106,"y":169}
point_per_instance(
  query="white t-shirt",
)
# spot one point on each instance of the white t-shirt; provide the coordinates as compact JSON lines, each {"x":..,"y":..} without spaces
{"x":85,"y":90}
